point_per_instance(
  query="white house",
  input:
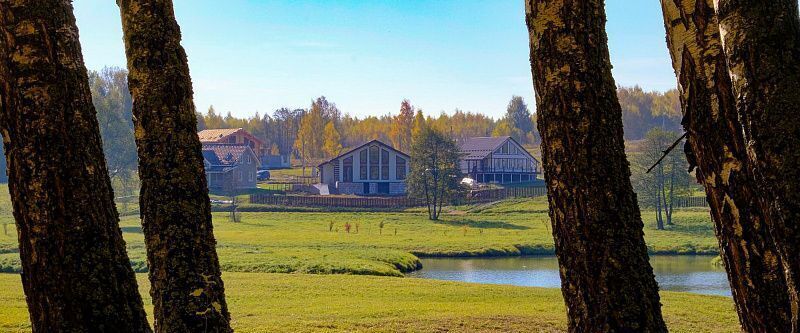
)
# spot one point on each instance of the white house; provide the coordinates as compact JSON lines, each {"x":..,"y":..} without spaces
{"x":373,"y":168}
{"x":498,"y":160}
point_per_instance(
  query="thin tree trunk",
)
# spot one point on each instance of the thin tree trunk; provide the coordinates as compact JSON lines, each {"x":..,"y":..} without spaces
{"x":186,"y":284}
{"x":607,"y":280}
{"x":761,"y":41}
{"x":672,"y":171}
{"x":76,"y":274}
{"x":659,"y":216}
{"x":715,"y":145}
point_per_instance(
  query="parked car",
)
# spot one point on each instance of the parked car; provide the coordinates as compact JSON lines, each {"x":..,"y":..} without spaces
{"x":262,"y":175}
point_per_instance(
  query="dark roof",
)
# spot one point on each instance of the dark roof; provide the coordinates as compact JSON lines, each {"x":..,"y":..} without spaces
{"x":362,"y":146}
{"x":224,"y":154}
{"x":480,"y":147}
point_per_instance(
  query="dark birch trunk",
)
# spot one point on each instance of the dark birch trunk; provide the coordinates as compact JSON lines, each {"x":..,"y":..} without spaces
{"x":716,"y":146}
{"x":187,"y":289}
{"x":76,"y":274}
{"x":761,"y":40}
{"x":659,"y":216}
{"x":607,"y":280}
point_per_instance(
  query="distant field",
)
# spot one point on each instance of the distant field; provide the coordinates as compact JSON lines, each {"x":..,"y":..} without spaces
{"x":316,"y":242}
{"x":341,"y":303}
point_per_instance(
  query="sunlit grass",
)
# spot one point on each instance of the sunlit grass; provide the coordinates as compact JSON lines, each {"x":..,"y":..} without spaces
{"x":340,"y":303}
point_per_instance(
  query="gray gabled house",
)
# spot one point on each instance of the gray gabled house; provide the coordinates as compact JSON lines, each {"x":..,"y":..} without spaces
{"x":498,"y":160}
{"x":373,"y":168}
{"x":230,"y":166}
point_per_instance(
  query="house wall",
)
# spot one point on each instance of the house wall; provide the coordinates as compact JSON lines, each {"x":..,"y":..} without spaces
{"x":244,"y":176}
{"x":243,"y":137}
{"x":510,"y":165}
{"x":394,"y":185}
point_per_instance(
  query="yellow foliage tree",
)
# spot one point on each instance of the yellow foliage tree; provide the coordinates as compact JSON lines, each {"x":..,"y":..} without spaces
{"x":333,"y":141}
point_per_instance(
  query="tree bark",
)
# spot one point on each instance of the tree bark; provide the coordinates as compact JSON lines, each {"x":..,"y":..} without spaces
{"x":607,"y":280}
{"x":187,"y":289}
{"x":76,"y":274}
{"x":761,"y":41}
{"x":716,"y":146}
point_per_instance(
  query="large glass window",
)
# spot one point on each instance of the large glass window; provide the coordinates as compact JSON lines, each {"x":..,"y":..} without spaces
{"x":374,"y":163}
{"x":401,"y":168}
{"x":362,"y":163}
{"x":385,"y":164}
{"x":347,"y":165}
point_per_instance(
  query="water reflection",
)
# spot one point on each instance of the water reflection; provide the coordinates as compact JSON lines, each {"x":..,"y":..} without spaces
{"x":694,"y":274}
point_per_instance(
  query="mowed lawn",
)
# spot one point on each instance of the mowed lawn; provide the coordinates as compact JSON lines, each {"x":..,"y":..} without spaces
{"x":262,"y":302}
{"x":317,"y":242}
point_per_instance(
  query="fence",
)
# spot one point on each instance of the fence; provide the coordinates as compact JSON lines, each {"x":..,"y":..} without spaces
{"x":690,"y":202}
{"x":326,"y":201}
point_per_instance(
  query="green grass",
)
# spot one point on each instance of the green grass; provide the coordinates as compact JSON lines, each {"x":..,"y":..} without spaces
{"x":300,"y":242}
{"x":337,"y":303}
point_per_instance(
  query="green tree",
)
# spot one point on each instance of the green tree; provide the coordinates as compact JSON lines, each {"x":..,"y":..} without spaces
{"x":419,"y":125}
{"x":402,"y":126}
{"x":435,"y":174}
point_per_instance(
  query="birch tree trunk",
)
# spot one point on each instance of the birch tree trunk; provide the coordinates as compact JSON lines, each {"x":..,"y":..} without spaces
{"x":607,"y":280}
{"x":187,"y":289}
{"x":761,"y":40}
{"x":716,"y":146}
{"x":76,"y":274}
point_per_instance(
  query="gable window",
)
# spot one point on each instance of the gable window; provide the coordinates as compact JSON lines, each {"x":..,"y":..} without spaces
{"x":401,"y":167}
{"x":232,"y":139}
{"x":504,"y":150}
{"x":385,"y":164}
{"x":374,"y":163}
{"x":362,"y":163}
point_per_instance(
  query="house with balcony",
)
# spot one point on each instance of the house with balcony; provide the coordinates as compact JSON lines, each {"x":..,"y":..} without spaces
{"x":498,"y":160}
{"x":373,"y":168}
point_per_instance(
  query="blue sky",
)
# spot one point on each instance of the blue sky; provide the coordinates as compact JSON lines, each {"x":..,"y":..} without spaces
{"x":366,"y":56}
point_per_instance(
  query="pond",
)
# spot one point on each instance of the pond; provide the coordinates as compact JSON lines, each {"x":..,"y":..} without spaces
{"x":693,"y":274}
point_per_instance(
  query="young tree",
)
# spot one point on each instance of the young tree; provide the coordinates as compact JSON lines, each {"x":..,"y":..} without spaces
{"x":402,"y":126}
{"x":76,"y":274}
{"x":607,"y":280}
{"x":435,"y":174}
{"x":186,"y":283}
{"x":518,"y":118}
{"x":333,"y":141}
{"x":717,"y":147}
{"x":419,"y":126}
{"x":761,"y":43}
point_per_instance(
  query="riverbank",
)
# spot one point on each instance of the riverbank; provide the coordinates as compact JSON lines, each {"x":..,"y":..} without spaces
{"x":391,"y":243}
{"x":261,"y":302}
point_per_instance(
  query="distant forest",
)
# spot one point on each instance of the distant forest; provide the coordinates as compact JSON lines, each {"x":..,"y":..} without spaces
{"x":321,"y":129}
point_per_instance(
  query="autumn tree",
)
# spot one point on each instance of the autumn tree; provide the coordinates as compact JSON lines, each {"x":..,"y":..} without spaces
{"x":418,"y":126}
{"x":435,"y":174}
{"x":716,"y":146}
{"x":75,"y":272}
{"x":607,"y":280}
{"x":402,"y":126}
{"x":333,"y":142}
{"x":761,"y":44}
{"x":185,"y":278}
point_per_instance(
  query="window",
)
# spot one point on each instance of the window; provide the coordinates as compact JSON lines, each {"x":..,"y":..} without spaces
{"x":362,"y":163}
{"x":374,"y":163}
{"x":385,"y":164}
{"x":401,"y":168}
{"x":232,"y":139}
{"x":347,"y":165}
{"x":504,"y":150}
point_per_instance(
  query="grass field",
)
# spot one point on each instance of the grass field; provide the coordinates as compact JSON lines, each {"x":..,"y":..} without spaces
{"x":341,"y":303}
{"x":316,"y":242}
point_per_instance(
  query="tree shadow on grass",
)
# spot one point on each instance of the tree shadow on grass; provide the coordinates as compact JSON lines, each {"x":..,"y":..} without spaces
{"x":481,"y":224}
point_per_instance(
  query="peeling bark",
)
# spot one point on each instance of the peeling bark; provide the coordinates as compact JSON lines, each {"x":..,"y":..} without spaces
{"x":607,"y":280}
{"x":761,"y":41}
{"x":187,"y":289}
{"x":715,"y":144}
{"x":76,"y":273}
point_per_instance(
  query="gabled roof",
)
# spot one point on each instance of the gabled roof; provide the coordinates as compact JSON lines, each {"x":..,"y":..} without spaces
{"x":479,"y":148}
{"x":225,"y":154}
{"x":379,"y":142}
{"x":219,"y":135}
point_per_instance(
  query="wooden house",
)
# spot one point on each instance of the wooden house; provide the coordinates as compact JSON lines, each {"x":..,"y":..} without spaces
{"x":373,"y":168}
{"x":498,"y":160}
